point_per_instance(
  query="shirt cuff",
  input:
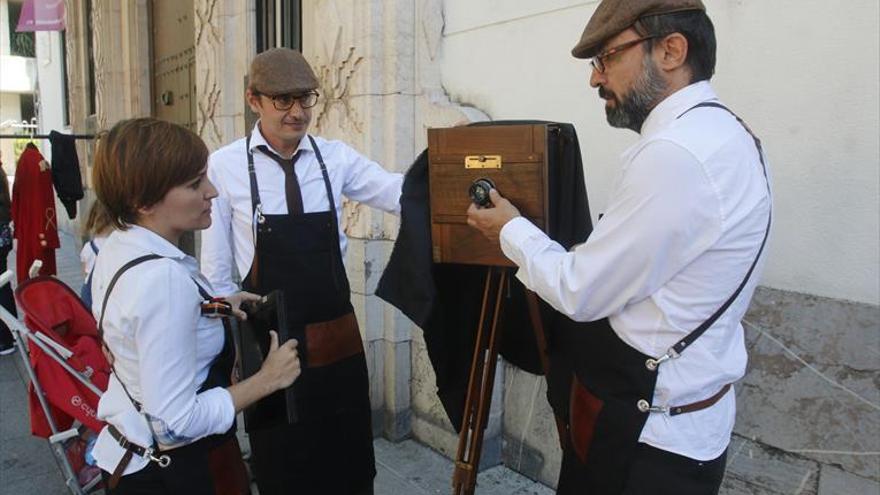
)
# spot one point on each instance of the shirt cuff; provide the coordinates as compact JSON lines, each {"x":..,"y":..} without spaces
{"x":515,"y":235}
{"x":222,"y":408}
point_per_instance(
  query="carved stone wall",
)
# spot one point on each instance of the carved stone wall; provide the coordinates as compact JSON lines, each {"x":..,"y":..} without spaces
{"x":121,"y":44}
{"x":380,"y":91}
{"x":225,"y":44}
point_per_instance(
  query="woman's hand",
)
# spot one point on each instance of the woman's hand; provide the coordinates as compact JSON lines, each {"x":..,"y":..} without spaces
{"x":240,"y":297}
{"x":281,"y":366}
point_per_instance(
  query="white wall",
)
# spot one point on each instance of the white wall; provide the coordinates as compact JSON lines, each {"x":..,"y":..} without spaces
{"x":803,"y":73}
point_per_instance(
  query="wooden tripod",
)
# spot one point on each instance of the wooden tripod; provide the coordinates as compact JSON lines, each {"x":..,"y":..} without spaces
{"x":482,"y":377}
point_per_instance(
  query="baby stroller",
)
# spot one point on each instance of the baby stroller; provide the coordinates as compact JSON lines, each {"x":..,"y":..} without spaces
{"x":67,"y":372}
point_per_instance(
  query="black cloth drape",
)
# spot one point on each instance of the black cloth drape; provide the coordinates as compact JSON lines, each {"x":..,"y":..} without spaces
{"x":66,"y":175}
{"x":444,"y":299}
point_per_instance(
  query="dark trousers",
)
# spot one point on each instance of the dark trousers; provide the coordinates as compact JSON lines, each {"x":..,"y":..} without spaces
{"x":196,"y":469}
{"x":368,"y":490}
{"x":657,"y":472}
{"x":6,"y":300}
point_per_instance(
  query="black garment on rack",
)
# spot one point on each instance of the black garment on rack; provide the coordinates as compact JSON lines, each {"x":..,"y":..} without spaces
{"x":444,"y":299}
{"x":66,"y":175}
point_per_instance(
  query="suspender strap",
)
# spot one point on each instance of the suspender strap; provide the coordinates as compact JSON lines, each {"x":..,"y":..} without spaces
{"x":124,"y":268}
{"x":683,"y":344}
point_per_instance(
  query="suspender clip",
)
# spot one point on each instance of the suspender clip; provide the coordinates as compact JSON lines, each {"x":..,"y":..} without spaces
{"x":644,"y":407}
{"x":260,"y":218}
{"x":652,"y":364}
{"x":163,"y":460}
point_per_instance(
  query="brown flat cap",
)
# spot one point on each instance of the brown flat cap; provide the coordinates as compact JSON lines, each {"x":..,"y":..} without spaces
{"x":280,"y":71}
{"x":613,"y":16}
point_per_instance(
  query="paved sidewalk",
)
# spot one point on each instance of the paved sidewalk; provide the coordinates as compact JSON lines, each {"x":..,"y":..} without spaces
{"x":28,"y":467}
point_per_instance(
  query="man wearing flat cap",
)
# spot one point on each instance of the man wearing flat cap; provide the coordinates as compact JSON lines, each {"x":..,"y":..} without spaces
{"x":278,"y":219}
{"x":642,"y":374}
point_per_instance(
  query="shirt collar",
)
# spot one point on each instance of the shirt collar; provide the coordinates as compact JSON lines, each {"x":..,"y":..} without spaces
{"x":676,"y":104}
{"x":150,"y":241}
{"x":257,"y":139}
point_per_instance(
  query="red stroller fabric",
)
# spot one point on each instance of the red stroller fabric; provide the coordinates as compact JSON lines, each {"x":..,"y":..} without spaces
{"x":52,"y":308}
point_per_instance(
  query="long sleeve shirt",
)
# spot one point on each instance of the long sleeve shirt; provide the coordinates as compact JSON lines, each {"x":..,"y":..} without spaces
{"x":685,"y":221}
{"x":231,"y":235}
{"x":162,"y":347}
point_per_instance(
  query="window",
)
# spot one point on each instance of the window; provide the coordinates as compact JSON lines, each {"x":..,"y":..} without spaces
{"x":91,"y":108}
{"x":65,"y":91}
{"x":26,"y":104}
{"x":20,"y":44}
{"x":279,"y":23}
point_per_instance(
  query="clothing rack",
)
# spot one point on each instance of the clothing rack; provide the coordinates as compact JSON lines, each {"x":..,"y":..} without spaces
{"x":44,"y":136}
{"x":32,"y":126}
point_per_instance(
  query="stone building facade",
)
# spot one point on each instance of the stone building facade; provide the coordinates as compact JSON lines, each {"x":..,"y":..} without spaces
{"x":809,"y":407}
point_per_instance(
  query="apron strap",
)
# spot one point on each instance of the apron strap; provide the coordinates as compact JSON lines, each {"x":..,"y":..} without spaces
{"x":327,"y":185}
{"x":257,"y":206}
{"x":689,"y":339}
{"x":334,"y":221}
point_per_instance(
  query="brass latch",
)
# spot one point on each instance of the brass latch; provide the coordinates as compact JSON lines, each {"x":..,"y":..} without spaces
{"x":482,"y":161}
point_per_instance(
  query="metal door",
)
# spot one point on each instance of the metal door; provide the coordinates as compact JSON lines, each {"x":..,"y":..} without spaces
{"x":172,"y":29}
{"x":174,"y":61}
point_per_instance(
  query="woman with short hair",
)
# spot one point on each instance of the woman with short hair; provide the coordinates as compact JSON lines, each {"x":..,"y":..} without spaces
{"x":170,"y":406}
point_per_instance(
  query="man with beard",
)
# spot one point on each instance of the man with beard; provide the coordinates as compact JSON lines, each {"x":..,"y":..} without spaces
{"x":277,"y":218}
{"x":643,"y":374}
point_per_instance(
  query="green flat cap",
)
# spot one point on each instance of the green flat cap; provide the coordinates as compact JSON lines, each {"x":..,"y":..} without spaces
{"x":613,"y":16}
{"x":279,"y":71}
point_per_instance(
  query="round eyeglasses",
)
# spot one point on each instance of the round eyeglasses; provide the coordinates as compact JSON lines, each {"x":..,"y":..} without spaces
{"x":285,"y":102}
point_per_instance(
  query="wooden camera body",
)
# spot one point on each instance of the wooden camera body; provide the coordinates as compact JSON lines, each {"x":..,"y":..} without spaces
{"x":513,"y":157}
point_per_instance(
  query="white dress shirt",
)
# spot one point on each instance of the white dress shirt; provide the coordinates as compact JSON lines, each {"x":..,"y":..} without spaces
{"x":87,"y":255}
{"x":685,"y":221}
{"x":162,"y":346}
{"x":231,"y":233}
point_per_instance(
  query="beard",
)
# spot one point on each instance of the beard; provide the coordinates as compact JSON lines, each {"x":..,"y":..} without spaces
{"x":631,"y":111}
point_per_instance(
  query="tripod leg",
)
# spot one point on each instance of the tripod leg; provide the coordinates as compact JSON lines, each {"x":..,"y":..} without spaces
{"x":488,"y":383}
{"x":464,"y":471}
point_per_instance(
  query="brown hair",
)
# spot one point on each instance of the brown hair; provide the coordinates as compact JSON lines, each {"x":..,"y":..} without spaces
{"x":139,"y":160}
{"x":98,"y":222}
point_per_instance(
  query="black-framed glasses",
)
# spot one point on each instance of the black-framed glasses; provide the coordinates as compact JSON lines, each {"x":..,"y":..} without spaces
{"x":285,"y":102}
{"x":598,"y":62}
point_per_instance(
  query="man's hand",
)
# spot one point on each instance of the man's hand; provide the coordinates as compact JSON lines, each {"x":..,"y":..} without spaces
{"x":490,"y":220}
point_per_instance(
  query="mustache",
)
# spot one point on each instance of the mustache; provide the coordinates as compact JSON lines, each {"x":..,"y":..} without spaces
{"x":605,"y":94}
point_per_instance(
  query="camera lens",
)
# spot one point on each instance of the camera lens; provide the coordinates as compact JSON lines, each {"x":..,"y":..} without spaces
{"x":479,"y":192}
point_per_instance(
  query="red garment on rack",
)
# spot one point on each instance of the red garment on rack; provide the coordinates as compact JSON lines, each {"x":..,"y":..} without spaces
{"x":33,"y":214}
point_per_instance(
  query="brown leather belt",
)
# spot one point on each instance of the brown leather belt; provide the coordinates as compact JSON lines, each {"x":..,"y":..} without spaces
{"x":130,"y":450}
{"x":699,"y":405}
{"x":331,"y":341}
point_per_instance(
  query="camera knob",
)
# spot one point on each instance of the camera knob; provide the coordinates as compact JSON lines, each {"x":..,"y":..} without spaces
{"x":479,"y":191}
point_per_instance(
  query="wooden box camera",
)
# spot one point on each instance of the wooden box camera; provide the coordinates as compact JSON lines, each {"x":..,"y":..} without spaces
{"x":512,"y":157}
